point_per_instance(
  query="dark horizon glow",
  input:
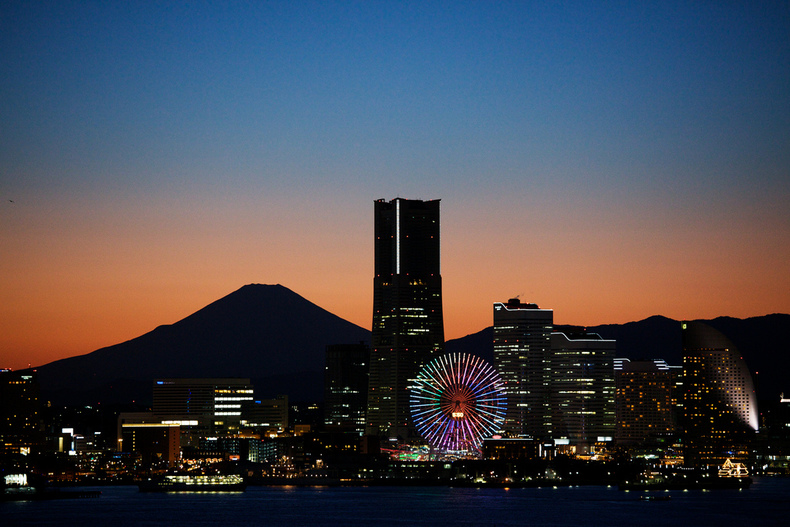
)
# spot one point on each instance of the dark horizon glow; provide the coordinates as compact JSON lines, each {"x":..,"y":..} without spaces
{"x":610,"y":162}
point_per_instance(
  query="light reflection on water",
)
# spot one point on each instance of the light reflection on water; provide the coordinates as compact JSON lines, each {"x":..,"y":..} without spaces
{"x":763,"y":504}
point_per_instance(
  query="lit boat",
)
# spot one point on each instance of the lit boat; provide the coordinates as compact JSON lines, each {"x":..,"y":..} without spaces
{"x":184,"y":483}
{"x":733,"y":470}
{"x":16,"y":487}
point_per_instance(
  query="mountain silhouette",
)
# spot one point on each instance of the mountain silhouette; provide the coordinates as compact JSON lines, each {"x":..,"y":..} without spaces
{"x":265,"y":332}
{"x":278,"y":339}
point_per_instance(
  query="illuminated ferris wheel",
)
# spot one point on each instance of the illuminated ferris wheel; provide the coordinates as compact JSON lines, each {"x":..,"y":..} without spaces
{"x":456,"y":401}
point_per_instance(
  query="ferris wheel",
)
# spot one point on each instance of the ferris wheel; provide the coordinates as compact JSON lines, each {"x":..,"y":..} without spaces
{"x":456,"y":401}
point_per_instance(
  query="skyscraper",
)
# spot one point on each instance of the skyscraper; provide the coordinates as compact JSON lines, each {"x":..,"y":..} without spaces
{"x":20,"y":418}
{"x":522,"y":356}
{"x":582,"y":389}
{"x":408,"y":328}
{"x":719,"y":400}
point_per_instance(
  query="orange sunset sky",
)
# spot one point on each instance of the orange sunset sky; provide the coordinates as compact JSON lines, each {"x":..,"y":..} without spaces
{"x":86,"y":275}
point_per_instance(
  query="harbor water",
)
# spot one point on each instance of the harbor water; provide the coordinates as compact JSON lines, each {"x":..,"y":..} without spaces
{"x":766,"y":503}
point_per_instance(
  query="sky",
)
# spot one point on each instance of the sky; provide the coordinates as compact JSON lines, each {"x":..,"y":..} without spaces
{"x":608,"y":160}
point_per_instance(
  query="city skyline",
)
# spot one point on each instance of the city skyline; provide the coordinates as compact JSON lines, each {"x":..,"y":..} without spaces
{"x":611,"y":162}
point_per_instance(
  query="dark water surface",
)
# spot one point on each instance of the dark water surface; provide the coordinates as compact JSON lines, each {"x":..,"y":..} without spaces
{"x":766,"y":503}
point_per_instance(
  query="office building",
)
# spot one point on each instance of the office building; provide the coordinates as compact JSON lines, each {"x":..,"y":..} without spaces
{"x":643,"y":400}
{"x":201,"y":406}
{"x":719,"y":399}
{"x":266,"y":415}
{"x":155,"y":442}
{"x":522,"y":356}
{"x":20,"y":417}
{"x":582,"y":390}
{"x":408,"y":328}
{"x":346,"y":386}
{"x":773,"y":443}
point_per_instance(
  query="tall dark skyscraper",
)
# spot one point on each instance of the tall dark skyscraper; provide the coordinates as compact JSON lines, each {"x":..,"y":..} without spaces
{"x":408,"y":328}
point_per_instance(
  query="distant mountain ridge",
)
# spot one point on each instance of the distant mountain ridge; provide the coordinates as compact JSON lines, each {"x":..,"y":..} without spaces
{"x":265,"y":332}
{"x":278,"y":339}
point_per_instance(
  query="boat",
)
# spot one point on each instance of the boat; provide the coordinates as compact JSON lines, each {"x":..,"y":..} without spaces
{"x":192,"y":483}
{"x":733,"y":470}
{"x":16,"y":487}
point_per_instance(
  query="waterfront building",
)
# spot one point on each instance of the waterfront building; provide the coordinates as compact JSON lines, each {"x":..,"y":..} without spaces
{"x":155,"y":442}
{"x":346,"y":386}
{"x":719,"y":399}
{"x":214,"y":402}
{"x":773,"y":442}
{"x":511,"y":448}
{"x":202,"y":406}
{"x":20,"y":417}
{"x":643,"y":400}
{"x":582,"y":389}
{"x":408,"y":328}
{"x":522,"y":357}
{"x":266,"y":414}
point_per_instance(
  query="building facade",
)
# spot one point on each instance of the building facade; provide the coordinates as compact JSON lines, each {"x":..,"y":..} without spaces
{"x":201,"y":405}
{"x":582,"y":389}
{"x":20,"y":416}
{"x":266,"y":415}
{"x":408,"y":327}
{"x":719,"y":399}
{"x":346,"y":386}
{"x":522,"y":356}
{"x":643,"y":400}
{"x":154,"y":442}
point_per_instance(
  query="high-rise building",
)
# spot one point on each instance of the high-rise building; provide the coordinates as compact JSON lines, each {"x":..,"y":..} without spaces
{"x":719,"y":399}
{"x":582,"y":389}
{"x":643,"y":400}
{"x":408,"y":328}
{"x":346,"y":385}
{"x":522,"y":356}
{"x":20,"y":418}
